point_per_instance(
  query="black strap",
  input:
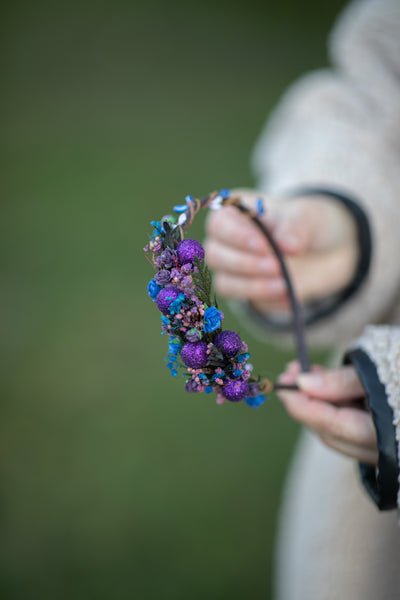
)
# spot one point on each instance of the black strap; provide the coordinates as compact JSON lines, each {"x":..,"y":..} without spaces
{"x":382,"y":482}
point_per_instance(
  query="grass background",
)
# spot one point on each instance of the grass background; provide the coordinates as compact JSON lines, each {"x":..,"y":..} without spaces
{"x":115,"y":483}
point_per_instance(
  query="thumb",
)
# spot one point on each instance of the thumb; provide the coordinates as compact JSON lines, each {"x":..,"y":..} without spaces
{"x":293,"y":236}
{"x":312,"y":223}
{"x":336,"y":385}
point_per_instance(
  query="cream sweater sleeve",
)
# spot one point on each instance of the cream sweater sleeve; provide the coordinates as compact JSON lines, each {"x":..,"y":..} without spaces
{"x":376,"y":357}
{"x":340,"y":129}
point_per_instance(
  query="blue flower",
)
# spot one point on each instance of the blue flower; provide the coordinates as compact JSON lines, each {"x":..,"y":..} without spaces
{"x":255,"y":402}
{"x":176,"y":305}
{"x":212,"y":319}
{"x":158,"y":228}
{"x":174,"y":346}
{"x":243,"y":357}
{"x":260,"y":207}
{"x":180,"y":208}
{"x":153,"y":288}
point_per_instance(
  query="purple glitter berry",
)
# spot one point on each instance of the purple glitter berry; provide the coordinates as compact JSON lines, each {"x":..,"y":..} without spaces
{"x":165,"y":297}
{"x":194,"y":355}
{"x":188,"y":250}
{"x":236,"y":390}
{"x":229,"y":342}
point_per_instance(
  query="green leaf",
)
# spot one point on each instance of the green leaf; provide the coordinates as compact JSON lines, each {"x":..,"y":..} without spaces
{"x":203,"y":282}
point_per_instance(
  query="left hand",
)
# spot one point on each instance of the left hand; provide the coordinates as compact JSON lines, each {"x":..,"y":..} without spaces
{"x":326,"y":402}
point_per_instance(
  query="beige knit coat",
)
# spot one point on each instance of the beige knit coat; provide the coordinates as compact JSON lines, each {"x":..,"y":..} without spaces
{"x":340,"y":128}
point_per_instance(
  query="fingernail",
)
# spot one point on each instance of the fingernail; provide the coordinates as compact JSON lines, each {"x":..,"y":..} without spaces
{"x":285,"y":378}
{"x":310,"y":381}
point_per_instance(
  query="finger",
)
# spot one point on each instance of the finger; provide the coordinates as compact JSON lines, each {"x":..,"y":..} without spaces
{"x":287,"y":378}
{"x":222,"y":257}
{"x":231,"y":227}
{"x":365,"y":455}
{"x":316,"y":222}
{"x":295,"y":367}
{"x":293,"y":370}
{"x":299,"y":225}
{"x":336,"y":385}
{"x":253,"y":288}
{"x":346,"y":424}
{"x":292,"y":236}
{"x":274,"y":309}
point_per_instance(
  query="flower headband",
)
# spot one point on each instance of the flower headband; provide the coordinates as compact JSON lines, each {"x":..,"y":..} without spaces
{"x":216,"y":360}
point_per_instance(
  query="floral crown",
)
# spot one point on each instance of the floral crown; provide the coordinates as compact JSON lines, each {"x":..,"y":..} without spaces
{"x":216,"y":360}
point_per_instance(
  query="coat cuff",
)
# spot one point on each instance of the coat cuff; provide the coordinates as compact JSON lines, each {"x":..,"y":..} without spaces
{"x":381,"y":482}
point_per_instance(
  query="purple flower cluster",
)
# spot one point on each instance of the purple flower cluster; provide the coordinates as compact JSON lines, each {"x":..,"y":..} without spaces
{"x":215,"y":359}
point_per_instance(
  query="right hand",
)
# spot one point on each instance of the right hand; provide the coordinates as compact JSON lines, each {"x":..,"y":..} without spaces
{"x":317,"y":235}
{"x":327,"y":402}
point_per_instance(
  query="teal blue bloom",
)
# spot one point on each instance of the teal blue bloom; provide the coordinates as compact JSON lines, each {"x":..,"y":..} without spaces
{"x":180,"y":208}
{"x":174,"y":346}
{"x":255,"y":402}
{"x":176,"y":305}
{"x":260,"y":207}
{"x":153,"y":288}
{"x":158,"y":229}
{"x":212,"y":319}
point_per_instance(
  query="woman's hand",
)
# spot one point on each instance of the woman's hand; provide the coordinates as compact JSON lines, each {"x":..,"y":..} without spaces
{"x":317,"y":234}
{"x":327,"y":403}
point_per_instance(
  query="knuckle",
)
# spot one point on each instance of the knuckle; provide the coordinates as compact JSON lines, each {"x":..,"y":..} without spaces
{"x":325,"y":421}
{"x":335,"y":428}
{"x":245,"y":264}
{"x":226,"y":285}
{"x":257,"y":290}
{"x":327,"y":440}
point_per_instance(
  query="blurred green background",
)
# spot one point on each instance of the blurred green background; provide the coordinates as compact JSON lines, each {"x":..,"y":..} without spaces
{"x":114,"y":482}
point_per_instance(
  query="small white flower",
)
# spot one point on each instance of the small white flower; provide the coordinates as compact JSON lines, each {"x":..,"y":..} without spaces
{"x":216,"y":204}
{"x":182,"y":219}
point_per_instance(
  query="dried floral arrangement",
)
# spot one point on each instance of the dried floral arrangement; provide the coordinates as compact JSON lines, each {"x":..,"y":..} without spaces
{"x":214,"y":359}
